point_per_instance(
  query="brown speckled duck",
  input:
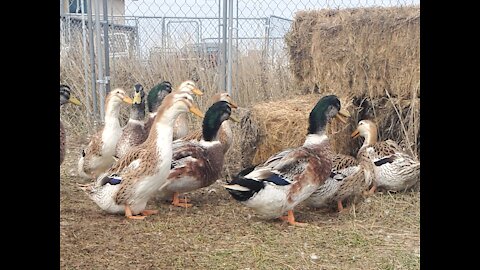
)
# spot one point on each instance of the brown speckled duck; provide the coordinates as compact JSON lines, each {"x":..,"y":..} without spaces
{"x":291,"y":176}
{"x":128,"y":185}
{"x":65,"y":97}
{"x":346,"y":180}
{"x":386,"y":164}
{"x":98,"y":156}
{"x":225,"y":135}
{"x":197,"y":164}
{"x":134,"y":132}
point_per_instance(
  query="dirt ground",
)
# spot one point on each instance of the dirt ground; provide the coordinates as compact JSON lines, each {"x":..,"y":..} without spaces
{"x":380,"y":232}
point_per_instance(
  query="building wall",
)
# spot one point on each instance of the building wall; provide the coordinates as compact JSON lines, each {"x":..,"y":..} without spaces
{"x":115,"y":8}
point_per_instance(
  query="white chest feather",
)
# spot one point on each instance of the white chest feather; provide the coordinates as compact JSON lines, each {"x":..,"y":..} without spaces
{"x":314,"y":139}
{"x":150,"y":184}
{"x":110,"y":135}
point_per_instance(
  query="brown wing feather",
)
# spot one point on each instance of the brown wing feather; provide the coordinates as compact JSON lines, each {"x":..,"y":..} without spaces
{"x":195,"y":135}
{"x":132,"y":136}
{"x":131,"y":175}
{"x":383,"y":149}
{"x":341,"y":161}
{"x":303,"y":166}
{"x":95,"y":145}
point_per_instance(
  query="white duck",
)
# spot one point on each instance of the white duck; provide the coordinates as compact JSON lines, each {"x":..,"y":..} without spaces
{"x":127,"y":186}
{"x":97,"y":157}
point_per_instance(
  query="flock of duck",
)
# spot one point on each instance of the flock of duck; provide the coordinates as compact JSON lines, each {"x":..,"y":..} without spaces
{"x":158,"y":157}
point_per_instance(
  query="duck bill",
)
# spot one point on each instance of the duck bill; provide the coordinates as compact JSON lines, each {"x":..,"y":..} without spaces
{"x":342,"y":115}
{"x":196,"y":111}
{"x":234,"y":119}
{"x":232,"y":105}
{"x":197,"y":91}
{"x":356,"y":133}
{"x":137,"y":98}
{"x":74,"y":100}
{"x":128,"y":100}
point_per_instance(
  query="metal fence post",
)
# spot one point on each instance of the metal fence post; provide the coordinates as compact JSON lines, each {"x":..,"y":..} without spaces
{"x":84,"y":46}
{"x":92,"y":60}
{"x":230,"y":47}
{"x":106,"y":46}
{"x":223,"y":70}
{"x":99,"y":61}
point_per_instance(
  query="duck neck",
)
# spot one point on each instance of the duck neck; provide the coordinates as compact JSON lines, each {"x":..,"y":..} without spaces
{"x":370,"y":138}
{"x":162,"y":128}
{"x":137,"y":112}
{"x":315,"y":139}
{"x":227,"y":137}
{"x":210,"y":130}
{"x":112,"y":112}
{"x":316,"y":129}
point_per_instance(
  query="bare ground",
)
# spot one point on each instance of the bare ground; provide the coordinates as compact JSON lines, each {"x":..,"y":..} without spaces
{"x":380,"y":232}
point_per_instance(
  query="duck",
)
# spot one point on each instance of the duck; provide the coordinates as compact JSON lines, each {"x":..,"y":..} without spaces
{"x":134,"y":132}
{"x":387,"y":165}
{"x":346,"y":180}
{"x":98,"y":155}
{"x":154,"y":99}
{"x":197,"y":164}
{"x":289,"y":177}
{"x":65,"y":97}
{"x":225,"y":135}
{"x":128,"y":185}
{"x":180,"y":128}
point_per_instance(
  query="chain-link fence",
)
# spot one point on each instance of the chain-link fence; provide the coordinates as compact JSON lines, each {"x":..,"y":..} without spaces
{"x":226,"y":45}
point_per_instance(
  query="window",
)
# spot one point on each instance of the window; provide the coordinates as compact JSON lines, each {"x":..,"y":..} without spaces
{"x":74,"y":6}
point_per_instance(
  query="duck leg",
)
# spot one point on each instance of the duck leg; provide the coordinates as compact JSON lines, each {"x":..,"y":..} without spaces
{"x":290,"y":218}
{"x":149,"y":212}
{"x":176,"y":201}
{"x":128,"y":213}
{"x":184,"y":200}
{"x":371,"y":191}
{"x":340,"y":206}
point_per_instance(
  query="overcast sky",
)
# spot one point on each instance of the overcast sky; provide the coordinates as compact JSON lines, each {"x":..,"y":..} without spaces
{"x":247,"y":8}
{"x":205,"y":27}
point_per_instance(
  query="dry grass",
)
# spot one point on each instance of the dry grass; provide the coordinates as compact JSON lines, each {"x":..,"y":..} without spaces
{"x":256,"y":81}
{"x":381,"y":232}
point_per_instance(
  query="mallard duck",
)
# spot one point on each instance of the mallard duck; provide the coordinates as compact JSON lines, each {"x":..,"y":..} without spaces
{"x":154,"y":99}
{"x":386,"y":163}
{"x":65,"y":98}
{"x":346,"y":180}
{"x":127,"y":186}
{"x":98,"y":156}
{"x":180,"y":128}
{"x":134,"y":132}
{"x":197,"y":164}
{"x":291,"y":176}
{"x":225,"y":135}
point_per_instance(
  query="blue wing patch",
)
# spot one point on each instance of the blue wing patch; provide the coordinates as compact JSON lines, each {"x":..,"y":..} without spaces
{"x":113,"y":179}
{"x":277,"y":180}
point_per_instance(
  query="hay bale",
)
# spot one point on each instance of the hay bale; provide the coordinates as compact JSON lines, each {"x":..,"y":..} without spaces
{"x":268,"y":128}
{"x":362,"y":51}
